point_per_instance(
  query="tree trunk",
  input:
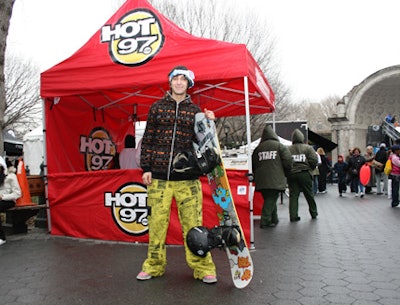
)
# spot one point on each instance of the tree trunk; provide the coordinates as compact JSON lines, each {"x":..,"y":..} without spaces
{"x":6,"y":7}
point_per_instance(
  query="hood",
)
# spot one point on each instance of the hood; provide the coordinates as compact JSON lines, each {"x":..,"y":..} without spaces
{"x":297,"y":136}
{"x":269,"y":134}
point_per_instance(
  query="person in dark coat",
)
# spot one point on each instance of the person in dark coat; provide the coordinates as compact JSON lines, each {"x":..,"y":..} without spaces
{"x":381,"y":157}
{"x":323,"y":168}
{"x":355,"y":163}
{"x":340,"y":168}
{"x":271,"y":161}
{"x":300,"y":179}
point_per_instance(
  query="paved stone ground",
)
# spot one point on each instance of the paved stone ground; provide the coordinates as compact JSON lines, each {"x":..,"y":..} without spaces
{"x":349,"y":255}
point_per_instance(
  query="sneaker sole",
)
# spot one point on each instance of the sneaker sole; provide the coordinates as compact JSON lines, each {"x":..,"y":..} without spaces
{"x":143,"y":277}
{"x":211,"y":280}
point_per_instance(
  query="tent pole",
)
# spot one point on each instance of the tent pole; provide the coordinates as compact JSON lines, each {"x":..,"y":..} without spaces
{"x":46,"y":196}
{"x":273,"y":121}
{"x":248,"y":133}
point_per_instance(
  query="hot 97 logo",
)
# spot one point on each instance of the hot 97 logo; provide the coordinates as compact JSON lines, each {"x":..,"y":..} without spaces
{"x":99,"y":150}
{"x":134,"y":39}
{"x":129,"y":208}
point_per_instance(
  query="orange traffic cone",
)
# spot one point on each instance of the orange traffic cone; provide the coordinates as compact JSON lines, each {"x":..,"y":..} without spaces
{"x":25,"y":198}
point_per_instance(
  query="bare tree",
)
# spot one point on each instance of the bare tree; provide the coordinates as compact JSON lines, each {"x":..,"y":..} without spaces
{"x":6,"y":7}
{"x":316,"y":114}
{"x":211,"y":19}
{"x":23,"y":104}
{"x":328,"y":105}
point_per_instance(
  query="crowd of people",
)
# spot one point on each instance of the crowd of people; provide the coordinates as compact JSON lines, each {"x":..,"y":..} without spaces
{"x":311,"y":169}
{"x":348,"y":170}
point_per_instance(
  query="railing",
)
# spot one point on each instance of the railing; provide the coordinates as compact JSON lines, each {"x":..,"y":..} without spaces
{"x":390,"y":130}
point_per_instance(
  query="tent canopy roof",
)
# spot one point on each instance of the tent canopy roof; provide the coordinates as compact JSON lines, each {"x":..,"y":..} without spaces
{"x":9,"y":138}
{"x":36,"y":133}
{"x":124,"y":68}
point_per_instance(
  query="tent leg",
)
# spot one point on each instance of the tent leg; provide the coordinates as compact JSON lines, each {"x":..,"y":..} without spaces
{"x":248,"y":134}
{"x":46,"y":196}
{"x":251,"y":195}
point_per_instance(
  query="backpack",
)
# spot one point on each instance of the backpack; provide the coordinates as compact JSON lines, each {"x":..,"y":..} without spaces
{"x":388,"y":167}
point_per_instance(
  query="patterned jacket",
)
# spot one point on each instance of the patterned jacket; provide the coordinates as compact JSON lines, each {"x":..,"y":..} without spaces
{"x":169,"y":131}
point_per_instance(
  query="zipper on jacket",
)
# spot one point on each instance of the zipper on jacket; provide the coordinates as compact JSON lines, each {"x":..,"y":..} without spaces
{"x":173,"y":141}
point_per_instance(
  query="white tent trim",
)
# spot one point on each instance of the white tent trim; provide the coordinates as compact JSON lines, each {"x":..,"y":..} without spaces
{"x":34,"y":150}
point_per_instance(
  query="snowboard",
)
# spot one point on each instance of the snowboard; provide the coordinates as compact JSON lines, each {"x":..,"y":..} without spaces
{"x":238,"y":255}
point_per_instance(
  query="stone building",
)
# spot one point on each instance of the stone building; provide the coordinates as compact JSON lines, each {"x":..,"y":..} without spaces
{"x":365,"y":107}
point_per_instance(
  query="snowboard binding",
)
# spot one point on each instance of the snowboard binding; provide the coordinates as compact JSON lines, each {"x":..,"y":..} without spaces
{"x":196,"y":162}
{"x":200,"y":240}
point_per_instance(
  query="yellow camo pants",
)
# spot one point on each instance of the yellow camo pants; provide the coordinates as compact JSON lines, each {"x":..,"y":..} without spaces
{"x":189,"y":200}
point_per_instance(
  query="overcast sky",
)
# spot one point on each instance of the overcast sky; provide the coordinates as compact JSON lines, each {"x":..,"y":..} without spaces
{"x":324,"y":48}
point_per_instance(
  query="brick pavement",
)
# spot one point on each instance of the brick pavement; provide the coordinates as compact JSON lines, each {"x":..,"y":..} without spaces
{"x":349,"y":255}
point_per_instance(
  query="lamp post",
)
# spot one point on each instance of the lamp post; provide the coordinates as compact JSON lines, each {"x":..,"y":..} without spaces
{"x":226,"y":129}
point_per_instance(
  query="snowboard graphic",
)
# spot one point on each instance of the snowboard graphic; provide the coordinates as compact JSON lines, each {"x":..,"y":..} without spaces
{"x":238,"y":255}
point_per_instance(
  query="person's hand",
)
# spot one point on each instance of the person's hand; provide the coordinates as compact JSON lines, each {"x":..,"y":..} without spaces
{"x":146,"y":178}
{"x":209,"y":114}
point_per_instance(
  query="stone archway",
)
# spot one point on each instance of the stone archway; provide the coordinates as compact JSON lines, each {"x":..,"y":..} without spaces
{"x":366,"y":104}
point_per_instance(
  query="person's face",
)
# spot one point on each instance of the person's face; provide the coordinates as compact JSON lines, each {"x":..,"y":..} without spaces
{"x":179,"y":85}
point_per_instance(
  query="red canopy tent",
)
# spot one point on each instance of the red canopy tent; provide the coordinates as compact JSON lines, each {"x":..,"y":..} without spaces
{"x":92,"y":99}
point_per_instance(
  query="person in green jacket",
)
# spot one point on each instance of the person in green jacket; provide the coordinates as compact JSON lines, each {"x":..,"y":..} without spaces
{"x":300,"y":179}
{"x":272,"y":162}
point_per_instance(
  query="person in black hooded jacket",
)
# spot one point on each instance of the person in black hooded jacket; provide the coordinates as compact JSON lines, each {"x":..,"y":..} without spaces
{"x":300,"y":180}
{"x":272,"y":162}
